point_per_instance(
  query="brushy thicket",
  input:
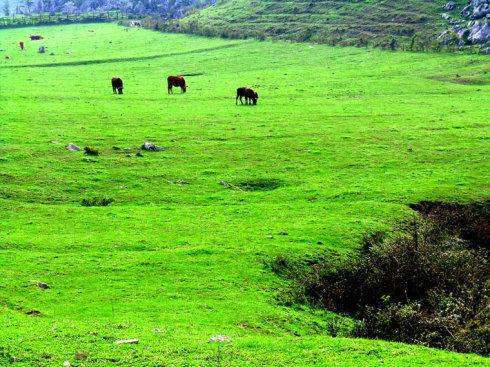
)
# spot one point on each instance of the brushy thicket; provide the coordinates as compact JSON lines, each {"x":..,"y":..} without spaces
{"x":425,"y":283}
{"x":97,"y":201}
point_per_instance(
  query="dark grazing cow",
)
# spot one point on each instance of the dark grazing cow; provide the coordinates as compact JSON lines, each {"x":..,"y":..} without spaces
{"x":250,"y":96}
{"x":117,"y":85}
{"x":35,"y":37}
{"x":176,"y":81}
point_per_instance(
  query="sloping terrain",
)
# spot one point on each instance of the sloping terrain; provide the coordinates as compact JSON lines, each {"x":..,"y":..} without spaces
{"x":341,"y":142}
{"x":334,"y":22}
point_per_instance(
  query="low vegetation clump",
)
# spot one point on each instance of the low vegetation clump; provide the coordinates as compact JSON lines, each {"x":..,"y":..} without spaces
{"x":97,"y":201}
{"x":259,"y":184}
{"x":425,"y":283}
{"x":91,"y":151}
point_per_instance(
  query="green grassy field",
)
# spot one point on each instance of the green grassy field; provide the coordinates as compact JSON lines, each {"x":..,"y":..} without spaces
{"x":348,"y":136}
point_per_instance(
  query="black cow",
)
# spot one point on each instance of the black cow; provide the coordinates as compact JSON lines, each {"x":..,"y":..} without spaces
{"x":117,"y":85}
{"x":250,"y":96}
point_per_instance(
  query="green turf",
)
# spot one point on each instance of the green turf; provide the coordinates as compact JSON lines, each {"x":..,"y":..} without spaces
{"x":350,"y":136}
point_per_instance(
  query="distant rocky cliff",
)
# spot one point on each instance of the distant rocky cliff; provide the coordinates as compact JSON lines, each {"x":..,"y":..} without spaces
{"x":468,"y":25}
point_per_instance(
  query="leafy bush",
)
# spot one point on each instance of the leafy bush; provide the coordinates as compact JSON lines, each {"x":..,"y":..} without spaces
{"x":427,"y":282}
{"x":97,"y":201}
{"x":91,"y":151}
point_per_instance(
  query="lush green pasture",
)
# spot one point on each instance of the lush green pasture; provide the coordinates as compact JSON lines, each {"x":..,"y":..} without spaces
{"x":351,"y":136}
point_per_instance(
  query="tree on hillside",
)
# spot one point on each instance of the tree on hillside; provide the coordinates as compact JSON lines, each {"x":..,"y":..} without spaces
{"x":6,"y":8}
{"x":28,"y":5}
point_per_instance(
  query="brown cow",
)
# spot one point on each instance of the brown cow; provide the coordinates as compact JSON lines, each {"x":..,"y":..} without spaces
{"x":176,"y":81}
{"x":117,"y":85}
{"x":21,"y":45}
{"x":249,"y":94}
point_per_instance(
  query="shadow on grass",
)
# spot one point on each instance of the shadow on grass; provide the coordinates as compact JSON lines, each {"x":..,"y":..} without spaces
{"x":120,"y":59}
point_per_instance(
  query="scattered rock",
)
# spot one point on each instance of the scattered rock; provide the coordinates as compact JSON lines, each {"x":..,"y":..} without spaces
{"x":72,"y":147}
{"x":66,"y":364}
{"x":41,"y":285}
{"x":220,"y":339}
{"x":139,"y":154}
{"x":151,"y":147}
{"x":127,"y":341}
{"x":450,"y":6}
{"x":485,"y":51}
{"x":479,"y":33}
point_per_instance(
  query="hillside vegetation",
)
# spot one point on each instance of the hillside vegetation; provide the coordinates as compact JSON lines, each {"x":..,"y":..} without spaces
{"x":173,"y":247}
{"x":335,"y":22}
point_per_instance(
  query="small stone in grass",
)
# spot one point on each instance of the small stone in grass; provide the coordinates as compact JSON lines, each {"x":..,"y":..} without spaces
{"x":127,"y":341}
{"x":72,"y":147}
{"x":219,"y":339}
{"x":66,"y":364}
{"x":147,"y":145}
{"x":42,"y":285}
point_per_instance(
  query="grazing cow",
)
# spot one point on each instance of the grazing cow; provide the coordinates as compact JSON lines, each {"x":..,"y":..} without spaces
{"x":117,"y":85}
{"x":21,"y":45}
{"x":249,"y":94}
{"x":176,"y":81}
{"x":36,"y":37}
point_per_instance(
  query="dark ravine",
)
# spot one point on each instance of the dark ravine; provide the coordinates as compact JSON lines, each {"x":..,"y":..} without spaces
{"x":426,"y":282}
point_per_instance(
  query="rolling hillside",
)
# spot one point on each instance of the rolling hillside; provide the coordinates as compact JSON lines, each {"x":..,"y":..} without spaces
{"x":334,"y":22}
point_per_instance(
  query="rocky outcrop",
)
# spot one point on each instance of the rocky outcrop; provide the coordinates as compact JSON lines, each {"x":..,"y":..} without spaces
{"x":450,"y":6}
{"x":470,"y":26}
{"x":479,"y":33}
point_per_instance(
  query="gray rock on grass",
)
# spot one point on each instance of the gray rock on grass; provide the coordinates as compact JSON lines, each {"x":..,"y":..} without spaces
{"x":72,"y":147}
{"x":149,"y":146}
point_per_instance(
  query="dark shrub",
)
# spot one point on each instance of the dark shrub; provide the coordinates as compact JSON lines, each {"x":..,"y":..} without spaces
{"x":427,"y":282}
{"x":97,"y":201}
{"x":259,"y":184}
{"x":90,"y":151}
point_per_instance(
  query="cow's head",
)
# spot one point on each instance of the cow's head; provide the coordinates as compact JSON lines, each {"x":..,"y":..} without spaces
{"x":120,"y":90}
{"x":184,"y":88}
{"x":256,"y":97}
